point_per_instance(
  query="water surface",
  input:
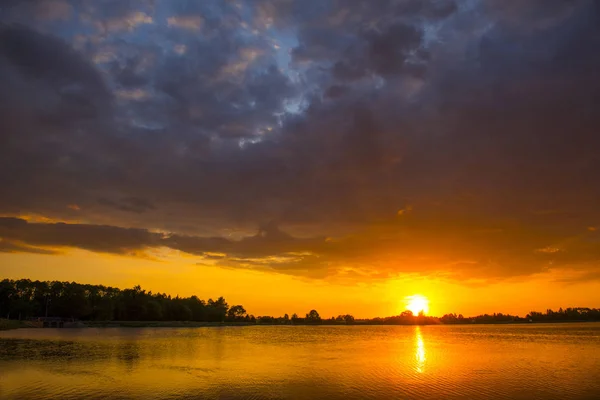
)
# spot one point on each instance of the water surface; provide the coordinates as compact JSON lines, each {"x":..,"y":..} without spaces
{"x":543,"y":361}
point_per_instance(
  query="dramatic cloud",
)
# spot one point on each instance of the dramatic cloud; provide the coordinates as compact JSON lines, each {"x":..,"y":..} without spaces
{"x":458,"y":252}
{"x":389,"y":137}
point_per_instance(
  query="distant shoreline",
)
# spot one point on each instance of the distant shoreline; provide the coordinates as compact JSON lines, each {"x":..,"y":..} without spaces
{"x":72,"y":305}
{"x":194,"y":324}
{"x":13,"y":324}
{"x":161,"y":324}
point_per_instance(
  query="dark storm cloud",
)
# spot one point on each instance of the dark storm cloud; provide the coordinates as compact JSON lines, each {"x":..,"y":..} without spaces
{"x":418,"y":136}
{"x":72,"y":87}
{"x":107,"y":239}
{"x":269,"y":241}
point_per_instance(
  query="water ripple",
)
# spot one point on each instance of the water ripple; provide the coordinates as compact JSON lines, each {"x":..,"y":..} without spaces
{"x":433,"y":362}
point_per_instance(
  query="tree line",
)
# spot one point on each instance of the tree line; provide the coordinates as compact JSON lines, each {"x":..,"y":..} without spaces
{"x":24,"y":299}
{"x":580,"y":314}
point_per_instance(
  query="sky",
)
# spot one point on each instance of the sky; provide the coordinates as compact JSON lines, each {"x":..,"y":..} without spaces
{"x":297,"y":154}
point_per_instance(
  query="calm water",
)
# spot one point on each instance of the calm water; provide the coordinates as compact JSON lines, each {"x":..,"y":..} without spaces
{"x":284,"y":362}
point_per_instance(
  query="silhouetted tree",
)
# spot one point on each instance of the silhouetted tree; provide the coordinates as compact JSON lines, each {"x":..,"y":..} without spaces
{"x":313,"y":317}
{"x":236,"y":313}
{"x":217,"y":310}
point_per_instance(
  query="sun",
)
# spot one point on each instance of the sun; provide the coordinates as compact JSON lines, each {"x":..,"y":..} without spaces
{"x":417,"y":303}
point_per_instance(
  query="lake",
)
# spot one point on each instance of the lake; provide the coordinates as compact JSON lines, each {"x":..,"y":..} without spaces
{"x":530,"y":361}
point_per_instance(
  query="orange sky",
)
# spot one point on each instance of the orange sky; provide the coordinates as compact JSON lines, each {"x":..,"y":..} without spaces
{"x":264,"y":293}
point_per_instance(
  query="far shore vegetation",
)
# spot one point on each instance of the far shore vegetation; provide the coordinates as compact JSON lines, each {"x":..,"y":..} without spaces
{"x":6,"y":324}
{"x":25,"y":301}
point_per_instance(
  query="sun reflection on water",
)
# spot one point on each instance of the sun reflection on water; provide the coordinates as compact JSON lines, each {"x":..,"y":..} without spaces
{"x":420,"y":355}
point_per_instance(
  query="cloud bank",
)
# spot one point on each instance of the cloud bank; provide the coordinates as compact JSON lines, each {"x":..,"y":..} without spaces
{"x":396,"y":137}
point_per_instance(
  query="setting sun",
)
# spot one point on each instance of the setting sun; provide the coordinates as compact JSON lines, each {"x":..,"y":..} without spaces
{"x":417,"y":303}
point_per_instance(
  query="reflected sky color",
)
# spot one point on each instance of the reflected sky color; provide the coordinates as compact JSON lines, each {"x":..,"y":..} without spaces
{"x":298,"y":362}
{"x":420,"y":356}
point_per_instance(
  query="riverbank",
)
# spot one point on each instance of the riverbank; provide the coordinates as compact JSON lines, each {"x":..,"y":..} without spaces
{"x":196,"y":324}
{"x":160,"y":324}
{"x":6,"y":324}
{"x":13,"y":324}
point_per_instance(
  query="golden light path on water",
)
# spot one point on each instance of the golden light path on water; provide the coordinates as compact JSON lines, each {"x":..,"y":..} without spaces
{"x":420,"y":356}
